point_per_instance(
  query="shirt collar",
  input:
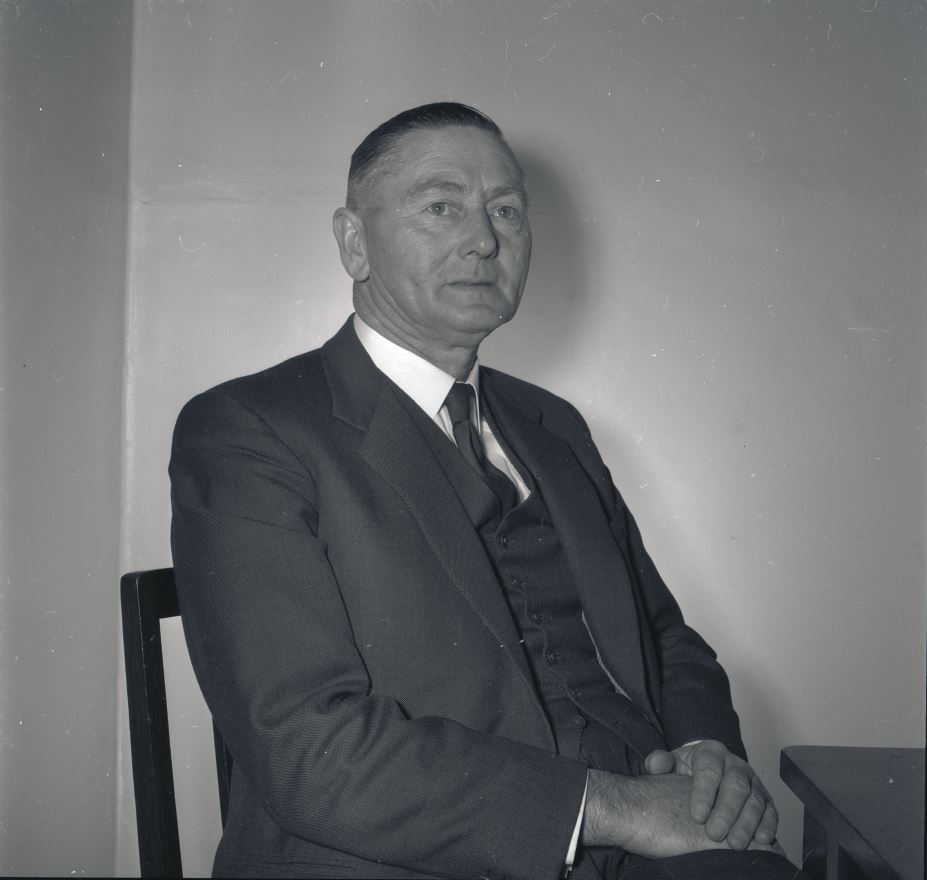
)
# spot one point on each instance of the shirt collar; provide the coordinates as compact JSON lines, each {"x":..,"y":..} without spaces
{"x":425,"y":383}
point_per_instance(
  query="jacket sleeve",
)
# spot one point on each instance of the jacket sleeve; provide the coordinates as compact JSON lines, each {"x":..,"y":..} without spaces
{"x":694,"y":701}
{"x":695,"y":695}
{"x":272,"y":647}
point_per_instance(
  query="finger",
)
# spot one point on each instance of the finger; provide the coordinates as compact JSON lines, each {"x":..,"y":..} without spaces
{"x":746,"y":824}
{"x":769,"y":847}
{"x":766,"y":830}
{"x":733,"y":792}
{"x":659,"y":762}
{"x":707,"y":774}
{"x":765,"y":847}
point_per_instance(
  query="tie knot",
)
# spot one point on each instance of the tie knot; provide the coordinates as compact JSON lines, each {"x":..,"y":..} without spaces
{"x":458,"y":402}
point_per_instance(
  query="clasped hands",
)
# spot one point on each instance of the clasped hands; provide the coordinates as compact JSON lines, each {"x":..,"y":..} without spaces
{"x":727,"y":797}
{"x":698,"y":796}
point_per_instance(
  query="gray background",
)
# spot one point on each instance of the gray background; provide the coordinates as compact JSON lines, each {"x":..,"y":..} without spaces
{"x":728,"y":280}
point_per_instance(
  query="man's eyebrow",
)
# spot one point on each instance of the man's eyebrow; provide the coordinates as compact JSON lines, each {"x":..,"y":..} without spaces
{"x":436,"y":184}
{"x":508,"y":189}
{"x":443,"y":184}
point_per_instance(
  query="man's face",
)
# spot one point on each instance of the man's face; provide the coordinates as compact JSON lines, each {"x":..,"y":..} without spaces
{"x":447,"y":236}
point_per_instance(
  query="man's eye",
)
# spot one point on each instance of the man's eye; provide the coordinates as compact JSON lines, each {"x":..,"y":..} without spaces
{"x":439,"y":209}
{"x":506,"y":212}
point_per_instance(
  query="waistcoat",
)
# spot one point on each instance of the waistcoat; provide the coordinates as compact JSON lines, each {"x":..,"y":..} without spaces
{"x":590,"y":717}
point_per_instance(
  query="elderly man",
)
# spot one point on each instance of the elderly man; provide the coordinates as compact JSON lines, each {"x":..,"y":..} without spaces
{"x":420,"y":612}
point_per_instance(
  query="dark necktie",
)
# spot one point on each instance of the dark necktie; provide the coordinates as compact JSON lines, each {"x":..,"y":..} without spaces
{"x":468,"y":442}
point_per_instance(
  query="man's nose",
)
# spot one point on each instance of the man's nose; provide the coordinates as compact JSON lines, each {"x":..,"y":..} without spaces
{"x":479,"y":237}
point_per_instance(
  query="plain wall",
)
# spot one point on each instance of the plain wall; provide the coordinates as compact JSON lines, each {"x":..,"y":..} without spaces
{"x":64,"y":126}
{"x":728,"y":280}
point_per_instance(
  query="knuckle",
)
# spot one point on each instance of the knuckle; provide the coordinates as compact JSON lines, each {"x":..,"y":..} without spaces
{"x":705,"y":753}
{"x":738,"y":786}
{"x":709,"y":773}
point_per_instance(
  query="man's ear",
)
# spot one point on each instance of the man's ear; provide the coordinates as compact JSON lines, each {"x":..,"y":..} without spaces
{"x":352,"y":242}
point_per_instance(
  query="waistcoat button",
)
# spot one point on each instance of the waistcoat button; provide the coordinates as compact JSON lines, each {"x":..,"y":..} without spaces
{"x":553,"y":658}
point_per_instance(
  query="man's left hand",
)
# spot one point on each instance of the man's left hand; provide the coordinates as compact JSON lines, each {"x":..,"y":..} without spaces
{"x":727,"y":796}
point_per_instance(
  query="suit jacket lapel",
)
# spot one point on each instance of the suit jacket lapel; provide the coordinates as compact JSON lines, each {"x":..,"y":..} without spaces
{"x":601,"y":574}
{"x":395,"y":448}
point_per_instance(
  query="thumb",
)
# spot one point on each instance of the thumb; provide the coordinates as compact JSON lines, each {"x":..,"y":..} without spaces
{"x":658,"y":762}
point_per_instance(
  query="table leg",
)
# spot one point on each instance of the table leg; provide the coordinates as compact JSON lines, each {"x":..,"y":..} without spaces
{"x":814,"y":849}
{"x":839,"y":865}
{"x":822,"y":856}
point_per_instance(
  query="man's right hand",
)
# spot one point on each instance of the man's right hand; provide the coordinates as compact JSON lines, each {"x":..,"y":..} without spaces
{"x":646,"y":815}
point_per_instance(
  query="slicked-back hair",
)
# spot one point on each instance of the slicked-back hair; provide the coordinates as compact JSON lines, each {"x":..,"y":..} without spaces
{"x":378,"y":147}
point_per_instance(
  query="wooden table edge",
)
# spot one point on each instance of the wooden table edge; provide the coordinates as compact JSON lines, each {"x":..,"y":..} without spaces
{"x":849,"y":838}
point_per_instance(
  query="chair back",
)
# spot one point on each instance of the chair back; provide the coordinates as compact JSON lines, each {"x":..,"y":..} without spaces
{"x":147,"y":598}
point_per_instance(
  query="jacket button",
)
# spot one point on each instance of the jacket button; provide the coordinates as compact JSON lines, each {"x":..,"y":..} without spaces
{"x":503,"y":540}
{"x":553,"y":658}
{"x":579,"y":721}
{"x":535,"y":617}
{"x":514,"y":581}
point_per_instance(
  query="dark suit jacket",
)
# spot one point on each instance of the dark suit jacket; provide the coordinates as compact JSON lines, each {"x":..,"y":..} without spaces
{"x":352,"y":641}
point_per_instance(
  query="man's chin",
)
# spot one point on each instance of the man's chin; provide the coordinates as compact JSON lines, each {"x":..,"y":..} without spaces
{"x":482,"y":327}
{"x":480,"y":314}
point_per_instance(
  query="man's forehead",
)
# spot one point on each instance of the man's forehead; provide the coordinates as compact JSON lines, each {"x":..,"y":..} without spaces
{"x":458,"y":159}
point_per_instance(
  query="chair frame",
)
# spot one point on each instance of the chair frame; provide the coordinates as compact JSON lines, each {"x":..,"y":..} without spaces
{"x":147,"y":598}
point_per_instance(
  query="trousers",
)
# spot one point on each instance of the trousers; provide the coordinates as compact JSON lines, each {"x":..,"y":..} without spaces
{"x":716,"y":864}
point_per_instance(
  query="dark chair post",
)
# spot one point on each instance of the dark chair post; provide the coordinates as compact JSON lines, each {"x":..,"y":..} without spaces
{"x":146,"y":598}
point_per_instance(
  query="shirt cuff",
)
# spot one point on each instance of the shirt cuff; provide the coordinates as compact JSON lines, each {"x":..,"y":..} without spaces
{"x":574,"y":840}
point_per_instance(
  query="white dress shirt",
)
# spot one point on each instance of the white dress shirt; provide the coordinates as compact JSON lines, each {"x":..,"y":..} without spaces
{"x":428,"y":386}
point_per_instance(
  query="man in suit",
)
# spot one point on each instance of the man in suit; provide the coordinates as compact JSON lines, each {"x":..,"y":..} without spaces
{"x":420,"y":612}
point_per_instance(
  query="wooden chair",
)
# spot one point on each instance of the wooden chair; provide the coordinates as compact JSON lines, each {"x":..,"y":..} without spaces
{"x":147,"y":598}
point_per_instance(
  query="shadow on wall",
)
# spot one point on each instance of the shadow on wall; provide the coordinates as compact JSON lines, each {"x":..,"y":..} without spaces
{"x":546,"y":329}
